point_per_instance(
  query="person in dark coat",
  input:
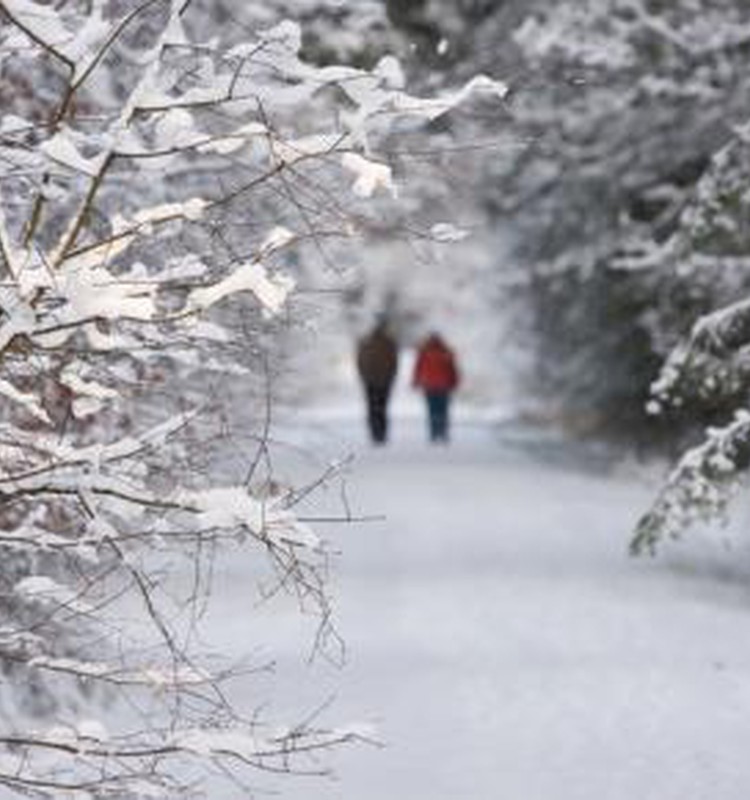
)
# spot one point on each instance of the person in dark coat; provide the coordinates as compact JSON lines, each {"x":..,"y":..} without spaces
{"x":377,"y":363}
{"x":436,"y":374}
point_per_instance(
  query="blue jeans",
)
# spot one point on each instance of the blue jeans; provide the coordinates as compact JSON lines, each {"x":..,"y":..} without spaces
{"x":437,"y":412}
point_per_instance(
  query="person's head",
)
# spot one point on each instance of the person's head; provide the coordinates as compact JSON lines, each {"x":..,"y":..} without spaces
{"x":382,"y":323}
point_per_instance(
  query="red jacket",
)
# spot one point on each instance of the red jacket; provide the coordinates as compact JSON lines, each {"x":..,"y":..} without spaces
{"x":435,"y":370}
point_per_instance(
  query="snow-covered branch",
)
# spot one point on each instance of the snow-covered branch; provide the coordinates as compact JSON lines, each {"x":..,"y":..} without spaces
{"x":700,"y":487}
{"x":154,"y":188}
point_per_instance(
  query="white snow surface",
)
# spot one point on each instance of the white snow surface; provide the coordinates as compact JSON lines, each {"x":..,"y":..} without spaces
{"x":370,"y":175}
{"x":500,"y":642}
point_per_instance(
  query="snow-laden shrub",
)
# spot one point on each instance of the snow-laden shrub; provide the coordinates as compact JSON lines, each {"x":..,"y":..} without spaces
{"x":156,"y":176}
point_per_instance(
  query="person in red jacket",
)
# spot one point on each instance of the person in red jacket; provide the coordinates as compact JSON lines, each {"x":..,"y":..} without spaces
{"x":436,"y":373}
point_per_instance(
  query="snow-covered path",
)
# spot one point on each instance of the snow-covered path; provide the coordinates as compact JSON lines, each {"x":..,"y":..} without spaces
{"x":502,"y":642}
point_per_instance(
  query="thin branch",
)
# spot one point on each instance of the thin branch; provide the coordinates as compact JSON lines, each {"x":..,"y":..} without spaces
{"x":37,"y":39}
{"x":262,"y":449}
{"x":75,"y":85}
{"x":80,"y":218}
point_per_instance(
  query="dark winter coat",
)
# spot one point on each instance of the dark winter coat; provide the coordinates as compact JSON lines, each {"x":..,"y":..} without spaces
{"x":435,"y":369}
{"x":377,"y":359}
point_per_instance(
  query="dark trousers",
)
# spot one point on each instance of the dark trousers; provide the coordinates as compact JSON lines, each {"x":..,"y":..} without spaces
{"x":437,"y":413}
{"x":377,"y":412}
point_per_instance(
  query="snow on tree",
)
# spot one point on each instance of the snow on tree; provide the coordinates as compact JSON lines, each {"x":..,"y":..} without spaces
{"x":155,"y":182}
{"x":709,"y":252}
{"x":626,"y":103}
{"x":614,"y":112}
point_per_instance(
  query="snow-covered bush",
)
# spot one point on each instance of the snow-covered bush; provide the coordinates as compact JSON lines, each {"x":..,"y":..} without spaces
{"x":156,"y":174}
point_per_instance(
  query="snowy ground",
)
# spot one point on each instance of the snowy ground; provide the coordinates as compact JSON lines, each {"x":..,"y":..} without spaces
{"x":500,"y":641}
